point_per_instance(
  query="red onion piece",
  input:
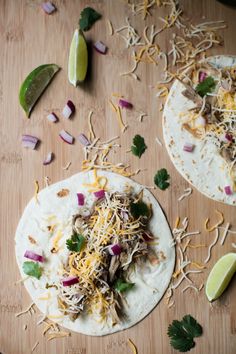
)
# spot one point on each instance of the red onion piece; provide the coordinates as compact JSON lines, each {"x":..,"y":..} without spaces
{"x":228,"y":190}
{"x":80,"y":197}
{"x":99,"y":194}
{"x":147,"y":237}
{"x":188,"y":147}
{"x":125,"y":104}
{"x":202,"y":76}
{"x":34,"y":256}
{"x":48,"y":159}
{"x":68,"y":110}
{"x":228,"y":137}
{"x":48,"y":7}
{"x":114,"y":250}
{"x":100,"y":47}
{"x":29,"y":141}
{"x":66,"y":137}
{"x":83,"y":140}
{"x":70,"y":281}
{"x":125,"y":215}
{"x":52,"y":117}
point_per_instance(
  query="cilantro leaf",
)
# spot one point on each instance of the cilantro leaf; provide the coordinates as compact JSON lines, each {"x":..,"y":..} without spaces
{"x":161,"y":179}
{"x":33,"y":269}
{"x":88,"y":17}
{"x":139,"y":146}
{"x":183,"y":332}
{"x":75,"y":243}
{"x":206,"y":86}
{"x":121,"y":285}
{"x":139,"y":209}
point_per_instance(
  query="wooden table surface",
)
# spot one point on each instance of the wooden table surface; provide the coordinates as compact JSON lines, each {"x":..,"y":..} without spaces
{"x":29,"y":38}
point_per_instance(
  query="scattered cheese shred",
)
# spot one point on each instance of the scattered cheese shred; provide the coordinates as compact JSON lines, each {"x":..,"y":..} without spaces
{"x":35,"y":346}
{"x":211,"y":246}
{"x":91,"y":131}
{"x":220,"y":222}
{"x":36,"y":190}
{"x":110,"y":28}
{"x":132,"y":346}
{"x":187,"y":193}
{"x":29,"y":309}
{"x":66,"y":166}
{"x":61,"y":334}
{"x":47,"y":181}
{"x":225,"y":233}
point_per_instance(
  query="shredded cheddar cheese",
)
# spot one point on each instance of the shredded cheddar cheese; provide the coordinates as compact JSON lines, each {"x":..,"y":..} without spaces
{"x":132,"y":346}
{"x":220,"y":222}
{"x":36,"y":190}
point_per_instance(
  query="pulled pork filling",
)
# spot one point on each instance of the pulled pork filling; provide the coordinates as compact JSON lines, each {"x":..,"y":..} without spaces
{"x":118,"y":220}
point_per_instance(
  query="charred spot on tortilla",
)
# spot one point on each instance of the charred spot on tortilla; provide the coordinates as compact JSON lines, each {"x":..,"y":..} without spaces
{"x":63,"y":193}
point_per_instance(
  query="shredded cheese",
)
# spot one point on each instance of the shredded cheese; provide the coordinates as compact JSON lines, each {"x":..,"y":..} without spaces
{"x":211,"y":246}
{"x":225,"y":233}
{"x":187,"y":193}
{"x":34,"y":347}
{"x":36,"y":190}
{"x":220,"y":222}
{"x":66,"y":167}
{"x":29,"y":309}
{"x":110,"y":28}
{"x":132,"y":346}
{"x":91,"y":131}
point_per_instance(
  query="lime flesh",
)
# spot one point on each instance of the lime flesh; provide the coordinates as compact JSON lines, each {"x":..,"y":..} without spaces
{"x":220,"y":276}
{"x":34,"y":85}
{"x":78,"y":58}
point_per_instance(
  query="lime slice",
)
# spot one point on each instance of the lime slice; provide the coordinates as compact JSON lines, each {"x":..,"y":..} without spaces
{"x":220,"y":276}
{"x":34,"y":85}
{"x":78,"y":58}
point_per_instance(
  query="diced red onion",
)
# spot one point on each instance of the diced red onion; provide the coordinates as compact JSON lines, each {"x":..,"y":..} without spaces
{"x":29,"y":141}
{"x":48,"y":159}
{"x":188,"y":147}
{"x":52,"y":117}
{"x":124,"y":215}
{"x":48,"y":7}
{"x":80,"y":197}
{"x":34,"y":256}
{"x":200,"y":121}
{"x":228,"y":190}
{"x":228,"y":137}
{"x":125,"y":104}
{"x":202,"y":76}
{"x":70,"y":281}
{"x":114,"y":250}
{"x":66,"y":137}
{"x":68,"y":110}
{"x":100,"y":47}
{"x":99,"y":194}
{"x":147,"y":237}
{"x":83,"y":140}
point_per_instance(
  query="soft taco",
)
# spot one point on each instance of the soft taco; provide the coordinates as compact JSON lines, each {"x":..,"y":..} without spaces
{"x":96,"y":251}
{"x":199,"y":127}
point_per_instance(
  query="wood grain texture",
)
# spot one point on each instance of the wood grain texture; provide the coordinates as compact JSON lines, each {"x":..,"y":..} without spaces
{"x":29,"y":38}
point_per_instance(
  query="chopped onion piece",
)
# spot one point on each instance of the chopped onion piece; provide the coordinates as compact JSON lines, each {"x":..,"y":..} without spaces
{"x":114,"y":250}
{"x":48,"y":7}
{"x":66,"y":137}
{"x":188,"y":147}
{"x":228,"y":137}
{"x":125,"y":215}
{"x":228,"y":190}
{"x":202,"y":76}
{"x":99,"y":194}
{"x":125,"y":104}
{"x":34,"y":256}
{"x":70,"y":281}
{"x":200,"y":121}
{"x":83,"y":140}
{"x":68,"y":110}
{"x":147,"y":237}
{"x":100,"y":47}
{"x":80,"y":197}
{"x":52,"y":117}
{"x":29,"y":141}
{"x":48,"y":159}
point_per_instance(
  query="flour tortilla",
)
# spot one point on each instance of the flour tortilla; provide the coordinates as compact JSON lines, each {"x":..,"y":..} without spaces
{"x":150,"y":282}
{"x":204,"y":168}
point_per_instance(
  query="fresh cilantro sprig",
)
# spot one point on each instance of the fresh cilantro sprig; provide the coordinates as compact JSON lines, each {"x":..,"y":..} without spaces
{"x":121,"y":285}
{"x":139,"y":146}
{"x":75,"y":243}
{"x":33,"y":269}
{"x":206,"y":86}
{"x":183,"y":332}
{"x":88,"y":17}
{"x":161,"y":179}
{"x":139,"y":209}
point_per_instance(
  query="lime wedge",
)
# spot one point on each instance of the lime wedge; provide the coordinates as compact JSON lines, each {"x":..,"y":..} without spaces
{"x":34,"y":85}
{"x":78,"y":58}
{"x":220,"y":276}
